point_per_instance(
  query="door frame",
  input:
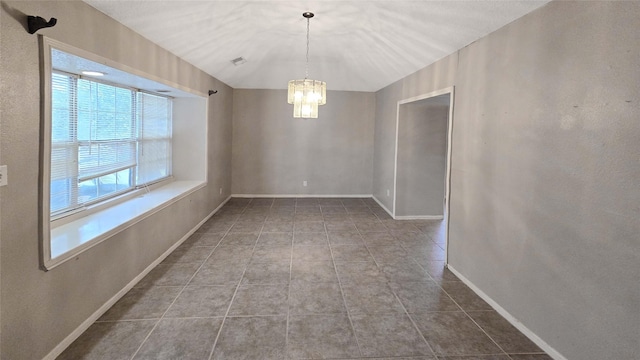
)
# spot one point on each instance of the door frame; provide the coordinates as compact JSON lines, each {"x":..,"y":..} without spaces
{"x":447,"y":187}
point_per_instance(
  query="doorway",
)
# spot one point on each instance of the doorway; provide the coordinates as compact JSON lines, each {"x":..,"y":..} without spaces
{"x":423,"y":159}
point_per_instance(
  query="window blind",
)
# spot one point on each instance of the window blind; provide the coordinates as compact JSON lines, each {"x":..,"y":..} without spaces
{"x":64,"y":167}
{"x":105,"y":140}
{"x":154,"y":153}
{"x":106,"y":129}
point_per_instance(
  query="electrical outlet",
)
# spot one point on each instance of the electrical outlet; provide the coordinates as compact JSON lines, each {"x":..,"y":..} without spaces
{"x":388,"y":192}
{"x":304,"y":183}
{"x":3,"y":175}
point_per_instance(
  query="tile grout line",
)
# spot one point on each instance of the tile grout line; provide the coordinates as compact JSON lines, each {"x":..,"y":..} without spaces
{"x":344,"y":300}
{"x":180,"y":292}
{"x":450,"y":297}
{"x":418,"y":263}
{"x":367,"y":247}
{"x":215,"y":342}
{"x":293,"y":235}
{"x":415,"y":326}
{"x":478,"y":325}
{"x":439,"y":285}
{"x":413,"y":322}
{"x":387,"y":282}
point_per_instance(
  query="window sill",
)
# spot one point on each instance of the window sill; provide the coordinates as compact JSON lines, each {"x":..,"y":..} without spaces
{"x":69,"y":240}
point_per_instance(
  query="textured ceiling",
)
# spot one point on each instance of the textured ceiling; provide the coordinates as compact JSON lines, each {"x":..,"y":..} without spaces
{"x":355,"y":45}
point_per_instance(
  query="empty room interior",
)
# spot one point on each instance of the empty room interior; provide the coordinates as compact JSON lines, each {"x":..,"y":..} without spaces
{"x":320,"y":180}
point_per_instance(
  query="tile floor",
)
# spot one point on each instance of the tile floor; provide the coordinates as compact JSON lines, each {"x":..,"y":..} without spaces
{"x":304,"y":279}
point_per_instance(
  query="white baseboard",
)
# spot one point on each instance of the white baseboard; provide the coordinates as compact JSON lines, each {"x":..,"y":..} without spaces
{"x":299,"y":196}
{"x":106,"y":306}
{"x":382,"y":205}
{"x":510,"y":318}
{"x":420,"y":217}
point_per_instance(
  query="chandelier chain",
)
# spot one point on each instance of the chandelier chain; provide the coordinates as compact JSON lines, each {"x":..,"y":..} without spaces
{"x":307,"y":63}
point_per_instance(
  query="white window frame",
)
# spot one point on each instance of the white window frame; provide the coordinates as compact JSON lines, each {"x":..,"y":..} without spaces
{"x":85,"y":229}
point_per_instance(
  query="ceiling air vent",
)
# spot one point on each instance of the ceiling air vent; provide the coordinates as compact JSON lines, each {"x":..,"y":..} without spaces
{"x":238,"y":61}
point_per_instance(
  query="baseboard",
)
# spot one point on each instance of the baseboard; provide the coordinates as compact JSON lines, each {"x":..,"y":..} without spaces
{"x":510,"y":318}
{"x":382,"y":205}
{"x":299,"y":196}
{"x":420,"y":217}
{"x":75,"y":334}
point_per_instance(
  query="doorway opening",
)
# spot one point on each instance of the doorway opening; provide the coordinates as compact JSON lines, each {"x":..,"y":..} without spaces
{"x":423,"y":161}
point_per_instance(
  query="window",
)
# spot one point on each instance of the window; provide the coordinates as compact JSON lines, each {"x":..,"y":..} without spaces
{"x":105,"y":140}
{"x":116,"y":149}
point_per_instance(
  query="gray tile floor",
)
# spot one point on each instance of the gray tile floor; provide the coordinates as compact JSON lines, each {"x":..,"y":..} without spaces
{"x":304,"y":279}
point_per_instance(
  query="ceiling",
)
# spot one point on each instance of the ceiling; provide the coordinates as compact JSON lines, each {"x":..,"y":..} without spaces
{"x":355,"y":45}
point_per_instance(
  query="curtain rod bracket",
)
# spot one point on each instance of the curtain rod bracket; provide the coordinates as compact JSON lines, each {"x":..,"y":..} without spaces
{"x":211,"y":92}
{"x":36,"y":23}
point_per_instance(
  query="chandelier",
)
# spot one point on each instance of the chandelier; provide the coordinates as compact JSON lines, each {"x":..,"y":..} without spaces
{"x":307,"y":94}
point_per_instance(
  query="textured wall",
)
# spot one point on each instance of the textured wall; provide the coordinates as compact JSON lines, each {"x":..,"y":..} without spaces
{"x":273,"y":153}
{"x":544,"y":193}
{"x":39,"y":309}
{"x":422,"y":149}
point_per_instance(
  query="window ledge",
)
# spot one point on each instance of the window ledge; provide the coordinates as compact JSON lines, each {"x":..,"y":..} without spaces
{"x":71,"y":239}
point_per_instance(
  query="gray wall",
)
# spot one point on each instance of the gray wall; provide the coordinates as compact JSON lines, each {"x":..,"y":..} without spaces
{"x":422,"y":148}
{"x":273,"y":153}
{"x":39,"y":309}
{"x":544,"y":193}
